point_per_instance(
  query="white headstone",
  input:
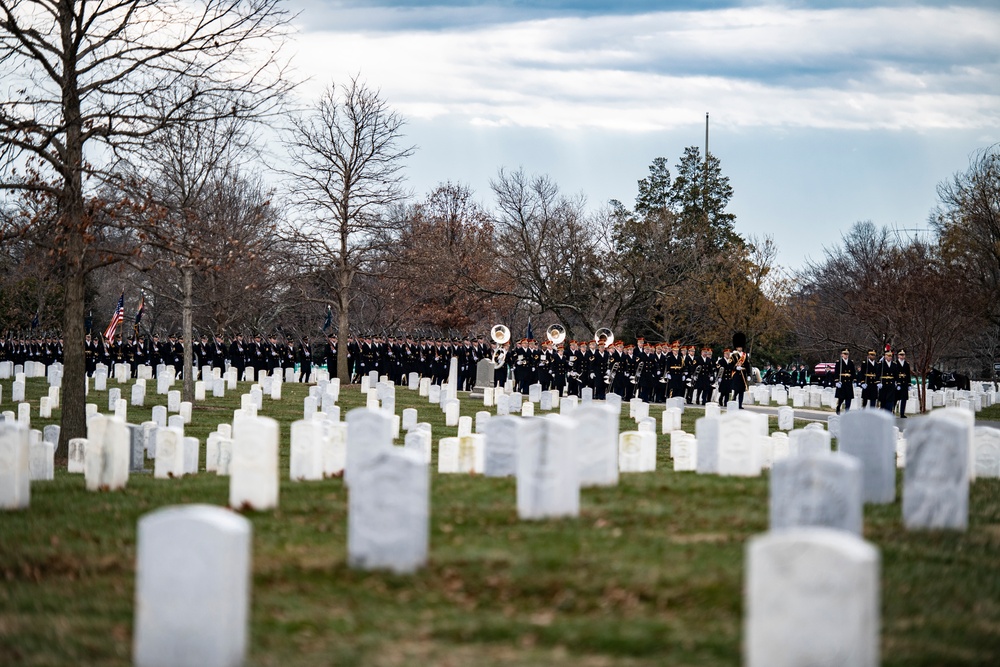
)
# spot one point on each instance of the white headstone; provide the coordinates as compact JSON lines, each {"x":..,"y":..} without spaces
{"x":636,"y":451}
{"x":596,"y":438}
{"x":811,"y":597}
{"x":388,"y":517}
{"x":15,"y":467}
{"x":567,"y":404}
{"x":481,"y":418}
{"x":192,"y":591}
{"x":786,"y":418}
{"x":987,"y":444}
{"x":160,"y":415}
{"x":707,"y":435}
{"x":192,"y":452}
{"x":419,"y":442}
{"x":253,"y":471}
{"x":808,"y":442}
{"x":409,"y":418}
{"x":306,"y":458}
{"x":169,"y":453}
{"x":819,"y":490}
{"x":936,"y":478}
{"x":173,"y":401}
{"x":503,"y":439}
{"x":547,"y":481}
{"x":107,"y":454}
{"x":738,"y":432}
{"x":368,"y":433}
{"x":684,"y":450}
{"x":867,"y":435}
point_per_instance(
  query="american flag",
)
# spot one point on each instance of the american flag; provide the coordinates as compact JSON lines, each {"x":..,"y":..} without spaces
{"x":116,"y":319}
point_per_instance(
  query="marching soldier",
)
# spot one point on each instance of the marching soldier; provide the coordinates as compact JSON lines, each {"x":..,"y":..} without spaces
{"x":705,"y":376}
{"x":868,"y":374}
{"x":725,"y":375}
{"x":903,"y":379}
{"x":738,"y":368}
{"x":844,"y":372}
{"x":888,"y":376}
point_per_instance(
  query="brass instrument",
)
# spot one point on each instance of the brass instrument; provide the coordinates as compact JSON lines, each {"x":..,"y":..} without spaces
{"x":638,"y":373}
{"x":500,"y":335}
{"x":556,"y":333}
{"x":604,"y":335}
{"x":609,"y":377}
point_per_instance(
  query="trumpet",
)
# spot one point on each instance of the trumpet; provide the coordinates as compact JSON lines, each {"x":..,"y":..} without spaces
{"x":556,"y":333}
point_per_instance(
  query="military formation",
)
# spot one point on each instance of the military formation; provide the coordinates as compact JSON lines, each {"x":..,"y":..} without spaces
{"x":885,"y":382}
{"x":652,"y":372}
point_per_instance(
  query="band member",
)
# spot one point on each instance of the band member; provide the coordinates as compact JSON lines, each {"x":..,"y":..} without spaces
{"x":902,"y":381}
{"x":725,"y":373}
{"x":738,"y":368}
{"x":705,"y":376}
{"x":844,"y":371}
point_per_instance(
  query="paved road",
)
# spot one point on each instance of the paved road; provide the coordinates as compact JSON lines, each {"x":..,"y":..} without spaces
{"x":822,"y":415}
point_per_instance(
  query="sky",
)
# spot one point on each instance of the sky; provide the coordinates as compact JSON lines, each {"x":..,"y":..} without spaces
{"x":821,"y":113}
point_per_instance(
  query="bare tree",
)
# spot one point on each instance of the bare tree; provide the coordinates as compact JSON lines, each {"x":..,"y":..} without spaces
{"x":546,"y":250}
{"x":346,"y":171}
{"x":213,"y":217}
{"x":85,"y":80}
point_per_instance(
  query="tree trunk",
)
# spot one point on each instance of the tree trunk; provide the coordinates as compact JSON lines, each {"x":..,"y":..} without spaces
{"x":343,"y":334}
{"x":186,"y":316}
{"x":73,"y":398}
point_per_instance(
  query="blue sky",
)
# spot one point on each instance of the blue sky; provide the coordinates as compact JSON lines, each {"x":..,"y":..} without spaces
{"x":822,"y":113}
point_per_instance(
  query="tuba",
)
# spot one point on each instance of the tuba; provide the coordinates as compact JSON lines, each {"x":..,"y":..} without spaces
{"x":605,"y":336}
{"x":556,"y":333}
{"x":500,"y":335}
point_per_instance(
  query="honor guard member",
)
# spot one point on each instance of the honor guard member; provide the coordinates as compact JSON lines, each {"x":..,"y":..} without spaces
{"x":304,"y":355}
{"x":633,"y":370}
{"x":690,"y":373}
{"x":237,"y":356}
{"x":868,"y":374}
{"x":903,"y":379}
{"x":888,"y":376}
{"x":844,"y":373}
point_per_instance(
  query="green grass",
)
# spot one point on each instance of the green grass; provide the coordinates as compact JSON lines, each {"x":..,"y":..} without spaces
{"x":649,"y":574}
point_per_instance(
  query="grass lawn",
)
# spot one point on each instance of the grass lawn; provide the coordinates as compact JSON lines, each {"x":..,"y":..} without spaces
{"x":651,"y":573}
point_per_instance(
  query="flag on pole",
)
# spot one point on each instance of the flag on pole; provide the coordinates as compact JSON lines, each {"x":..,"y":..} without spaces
{"x":34,"y":322}
{"x":138,"y":314}
{"x":329,"y":318}
{"x":116,"y":319}
{"x":531,"y":335}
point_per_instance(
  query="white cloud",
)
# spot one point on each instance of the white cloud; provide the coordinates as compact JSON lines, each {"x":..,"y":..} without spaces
{"x":894,"y":68}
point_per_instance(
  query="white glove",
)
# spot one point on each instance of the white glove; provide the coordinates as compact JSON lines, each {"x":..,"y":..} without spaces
{"x":879,"y":386}
{"x":864,"y":385}
{"x":592,"y":376}
{"x":838,"y":385}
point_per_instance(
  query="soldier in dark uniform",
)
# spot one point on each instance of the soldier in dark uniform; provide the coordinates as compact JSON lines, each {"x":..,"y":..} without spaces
{"x":689,"y":373}
{"x":601,"y":366}
{"x":903,"y":379}
{"x":304,"y":355}
{"x":888,"y":376}
{"x":237,"y":356}
{"x":675,"y":371}
{"x":218,"y":354}
{"x":705,"y":376}
{"x":90,"y":350}
{"x":329,"y":356}
{"x":868,"y":374}
{"x":739,"y":365}
{"x":574,"y":369}
{"x":844,"y":372}
{"x":725,"y":377}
